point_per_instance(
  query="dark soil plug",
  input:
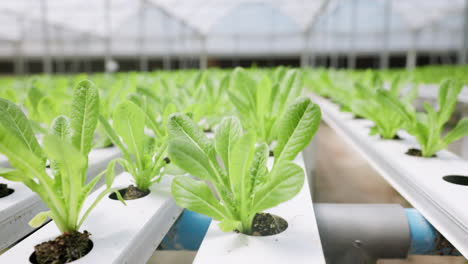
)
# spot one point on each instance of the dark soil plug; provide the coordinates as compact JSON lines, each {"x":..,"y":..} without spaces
{"x":208,"y":130}
{"x":65,"y":248}
{"x":133,"y":192}
{"x":4,"y":190}
{"x":396,"y":137}
{"x":130,"y":193}
{"x":271,"y":154}
{"x":167,"y":160}
{"x":358,"y":117}
{"x":108,"y":145}
{"x":416,"y":152}
{"x":265,"y":224}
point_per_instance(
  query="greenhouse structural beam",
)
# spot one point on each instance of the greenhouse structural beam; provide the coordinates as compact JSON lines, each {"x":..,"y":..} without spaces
{"x":352,"y":39}
{"x":412,"y":55}
{"x":46,"y":58}
{"x":19,"y":59}
{"x":141,"y":40}
{"x":464,"y":43}
{"x":305,"y":51}
{"x":384,"y":55}
{"x":108,"y":39}
{"x":203,"y":55}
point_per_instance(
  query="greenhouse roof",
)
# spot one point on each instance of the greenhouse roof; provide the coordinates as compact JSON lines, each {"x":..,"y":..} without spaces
{"x":227,"y":27}
{"x":89,"y":16}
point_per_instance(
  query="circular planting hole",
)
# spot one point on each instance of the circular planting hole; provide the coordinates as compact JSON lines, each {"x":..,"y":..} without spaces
{"x":417,"y":153}
{"x":130,"y":193}
{"x":7,"y":192}
{"x":64,"y":249}
{"x":265,"y":224}
{"x":111,"y":145}
{"x":396,"y":137}
{"x":456,"y":179}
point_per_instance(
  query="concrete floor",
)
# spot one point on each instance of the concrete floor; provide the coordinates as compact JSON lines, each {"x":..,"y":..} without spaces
{"x":342,"y":176}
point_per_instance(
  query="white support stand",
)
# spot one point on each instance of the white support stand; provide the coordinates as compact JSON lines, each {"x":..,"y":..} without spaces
{"x":17,"y":209}
{"x":299,"y":243}
{"x":120,"y":234}
{"x":420,"y":180}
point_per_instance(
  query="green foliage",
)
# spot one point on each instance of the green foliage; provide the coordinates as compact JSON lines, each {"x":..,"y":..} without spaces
{"x":427,"y":127}
{"x":369,"y":103}
{"x":143,"y":155}
{"x":66,"y":147}
{"x":240,"y":177}
{"x":260,"y":103}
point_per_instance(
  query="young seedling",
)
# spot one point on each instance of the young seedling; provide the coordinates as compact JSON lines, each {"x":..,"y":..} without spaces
{"x":143,"y":155}
{"x":236,"y":166}
{"x":370,"y":105}
{"x":66,"y":147}
{"x":427,"y":127}
{"x":261,"y":103}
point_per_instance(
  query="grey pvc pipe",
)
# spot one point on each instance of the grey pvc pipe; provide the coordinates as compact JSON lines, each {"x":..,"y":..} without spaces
{"x":362,"y":233}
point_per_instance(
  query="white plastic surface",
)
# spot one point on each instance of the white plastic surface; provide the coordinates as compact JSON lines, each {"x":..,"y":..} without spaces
{"x":4,"y":162}
{"x":120,"y":234}
{"x":299,"y":243}
{"x":418,"y":179}
{"x":430,"y":91}
{"x":17,"y":209}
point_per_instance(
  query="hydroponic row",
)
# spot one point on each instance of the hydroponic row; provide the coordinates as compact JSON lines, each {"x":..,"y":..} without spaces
{"x":221,"y":143}
{"x":379,"y":116}
{"x":158,"y":122}
{"x":389,"y":105}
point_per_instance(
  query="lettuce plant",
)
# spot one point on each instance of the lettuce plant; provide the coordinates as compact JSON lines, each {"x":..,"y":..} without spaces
{"x":260,"y":103}
{"x":236,"y":166}
{"x":155,"y":114}
{"x":427,"y":127}
{"x":143,"y":154}
{"x":370,"y":105}
{"x":66,"y":147}
{"x":43,"y":108}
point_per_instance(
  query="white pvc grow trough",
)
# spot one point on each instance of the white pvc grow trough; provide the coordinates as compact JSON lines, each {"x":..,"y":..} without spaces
{"x":120,"y":234}
{"x":430,"y":91}
{"x":299,"y":243}
{"x":17,"y":209}
{"x":4,"y":162}
{"x":419,"y":180}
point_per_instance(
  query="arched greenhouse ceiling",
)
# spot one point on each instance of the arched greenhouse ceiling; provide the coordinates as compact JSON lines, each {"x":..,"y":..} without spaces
{"x":79,"y":27}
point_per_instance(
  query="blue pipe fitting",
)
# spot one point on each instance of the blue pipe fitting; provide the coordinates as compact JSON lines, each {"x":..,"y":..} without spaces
{"x":187,"y":232}
{"x":425,"y":239}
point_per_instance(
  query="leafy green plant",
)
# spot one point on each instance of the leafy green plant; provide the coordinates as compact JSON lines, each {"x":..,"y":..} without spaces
{"x":427,"y":127}
{"x":260,"y":103}
{"x":149,"y":103}
{"x":369,"y":103}
{"x":237,"y":167}
{"x":143,"y":155}
{"x":116,"y":91}
{"x":66,"y":147}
